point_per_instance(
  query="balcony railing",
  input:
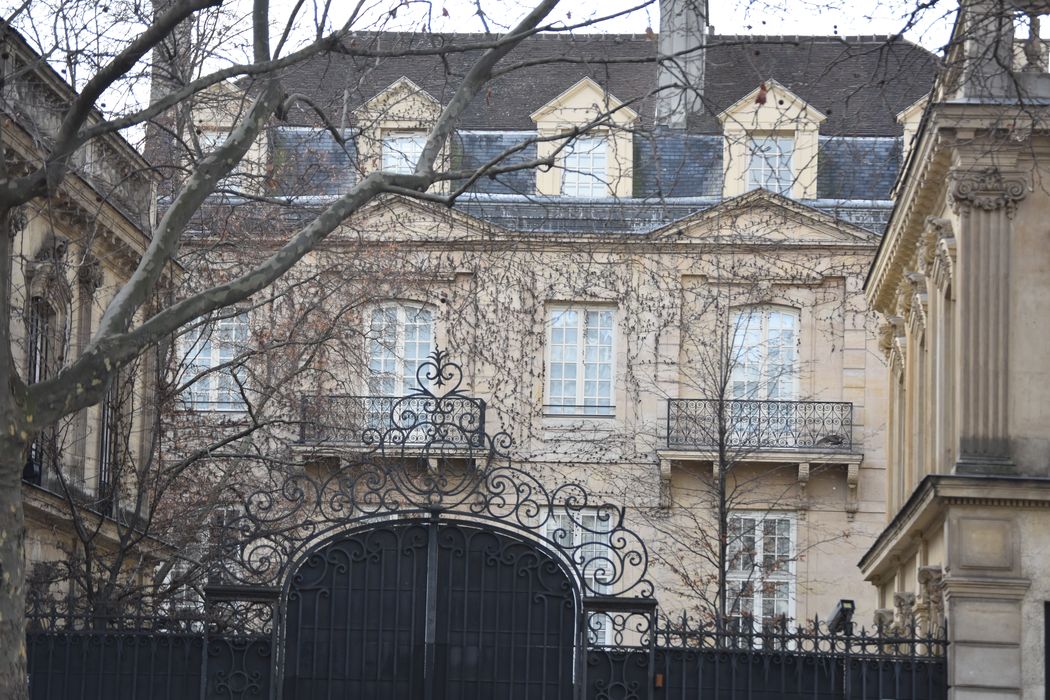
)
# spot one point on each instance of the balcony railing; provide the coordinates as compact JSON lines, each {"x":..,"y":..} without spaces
{"x":760,"y":425}
{"x":453,"y":421}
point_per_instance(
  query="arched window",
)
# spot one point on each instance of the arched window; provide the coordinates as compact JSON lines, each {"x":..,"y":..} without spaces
{"x":765,"y":354}
{"x":400,"y":336}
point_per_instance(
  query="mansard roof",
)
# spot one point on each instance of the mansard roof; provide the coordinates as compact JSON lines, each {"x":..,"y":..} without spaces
{"x":860,"y":83}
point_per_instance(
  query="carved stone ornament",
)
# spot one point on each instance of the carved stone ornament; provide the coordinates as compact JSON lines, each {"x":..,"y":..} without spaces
{"x":933,"y":232}
{"x":986,"y":189}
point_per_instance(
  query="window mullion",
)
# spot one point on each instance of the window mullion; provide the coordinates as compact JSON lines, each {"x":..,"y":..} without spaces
{"x":581,"y":359}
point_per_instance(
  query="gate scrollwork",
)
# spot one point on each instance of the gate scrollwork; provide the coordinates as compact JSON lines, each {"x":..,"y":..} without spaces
{"x":428,"y":455}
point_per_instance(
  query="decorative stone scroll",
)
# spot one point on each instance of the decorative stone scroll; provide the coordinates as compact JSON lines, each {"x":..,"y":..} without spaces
{"x":986,"y":189}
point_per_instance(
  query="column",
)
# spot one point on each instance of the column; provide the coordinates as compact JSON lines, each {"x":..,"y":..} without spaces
{"x":985,"y":201}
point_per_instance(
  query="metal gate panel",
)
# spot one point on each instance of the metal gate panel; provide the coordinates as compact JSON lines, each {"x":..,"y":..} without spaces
{"x":355,"y":617}
{"x":430,"y":610}
{"x":506,"y":619}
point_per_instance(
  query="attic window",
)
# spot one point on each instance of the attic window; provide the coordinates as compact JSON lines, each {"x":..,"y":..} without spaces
{"x":401,"y":152}
{"x":586,"y":172}
{"x":769,"y":166}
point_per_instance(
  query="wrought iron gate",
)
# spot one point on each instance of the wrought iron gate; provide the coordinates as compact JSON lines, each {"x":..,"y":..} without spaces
{"x":423,"y":564}
{"x":430,"y":609}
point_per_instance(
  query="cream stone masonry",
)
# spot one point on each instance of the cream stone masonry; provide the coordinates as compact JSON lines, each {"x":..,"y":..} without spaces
{"x":586,"y":106}
{"x":490,"y":287}
{"x":771,"y":110}
{"x":960,"y":283}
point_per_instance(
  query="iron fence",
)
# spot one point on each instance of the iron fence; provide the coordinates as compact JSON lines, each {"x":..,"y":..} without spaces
{"x":760,"y":425}
{"x":683,"y":659}
{"x":456,"y":421}
{"x":155,"y":653}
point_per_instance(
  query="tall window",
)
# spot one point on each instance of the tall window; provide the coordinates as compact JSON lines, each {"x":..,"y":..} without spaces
{"x":586,"y":174}
{"x":770,"y":164}
{"x":585,"y":537}
{"x":43,"y":341}
{"x":400,"y":336}
{"x":760,"y":567}
{"x":401,"y":152}
{"x":109,"y":441}
{"x":209,"y":353}
{"x":765,"y":354}
{"x":580,"y":361}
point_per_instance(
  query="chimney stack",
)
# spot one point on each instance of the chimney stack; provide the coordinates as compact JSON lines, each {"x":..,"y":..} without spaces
{"x":683,"y":28}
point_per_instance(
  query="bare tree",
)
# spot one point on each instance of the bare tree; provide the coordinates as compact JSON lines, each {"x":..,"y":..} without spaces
{"x":112,"y":63}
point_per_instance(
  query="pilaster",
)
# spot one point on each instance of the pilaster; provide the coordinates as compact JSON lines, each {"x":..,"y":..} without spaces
{"x":985,"y":201}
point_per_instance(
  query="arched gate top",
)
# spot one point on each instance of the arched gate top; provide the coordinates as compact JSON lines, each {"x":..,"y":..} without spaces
{"x":429,"y":456}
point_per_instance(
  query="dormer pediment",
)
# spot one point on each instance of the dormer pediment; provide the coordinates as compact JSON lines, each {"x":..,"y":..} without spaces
{"x":402,"y":101}
{"x":771,"y":107}
{"x":581,"y":103}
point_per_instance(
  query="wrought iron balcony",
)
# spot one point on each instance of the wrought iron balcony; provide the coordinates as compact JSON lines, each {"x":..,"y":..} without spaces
{"x":818,"y":426}
{"x":454,"y":421}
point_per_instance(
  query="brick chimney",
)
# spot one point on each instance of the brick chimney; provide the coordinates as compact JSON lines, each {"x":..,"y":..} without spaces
{"x":680,"y":76}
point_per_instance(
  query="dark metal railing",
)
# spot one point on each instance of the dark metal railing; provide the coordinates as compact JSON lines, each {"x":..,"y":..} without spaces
{"x":410,"y":420}
{"x":760,"y":425}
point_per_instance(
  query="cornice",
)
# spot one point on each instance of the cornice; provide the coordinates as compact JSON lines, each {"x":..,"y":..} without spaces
{"x":923,"y":187}
{"x":930,"y":501}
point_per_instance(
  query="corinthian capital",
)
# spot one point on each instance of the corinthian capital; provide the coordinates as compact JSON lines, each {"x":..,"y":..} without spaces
{"x":987,"y":189}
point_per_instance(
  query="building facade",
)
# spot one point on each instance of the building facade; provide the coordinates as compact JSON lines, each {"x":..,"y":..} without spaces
{"x":960,"y":285}
{"x":668,"y":309}
{"x":72,"y":253}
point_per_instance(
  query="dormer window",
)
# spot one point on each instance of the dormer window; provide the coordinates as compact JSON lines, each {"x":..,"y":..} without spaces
{"x":599,"y":163}
{"x":771,"y":141}
{"x":401,"y":152}
{"x":769,"y":166}
{"x":586,"y":170}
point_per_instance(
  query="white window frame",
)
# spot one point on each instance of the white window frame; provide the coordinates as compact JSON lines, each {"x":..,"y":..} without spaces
{"x":401,"y":151}
{"x":558,"y":526}
{"x":206,"y":347}
{"x":586,"y":373}
{"x":585,"y":167}
{"x":770,"y":163}
{"x":403,"y":364}
{"x":752,"y":361}
{"x":753,"y":573}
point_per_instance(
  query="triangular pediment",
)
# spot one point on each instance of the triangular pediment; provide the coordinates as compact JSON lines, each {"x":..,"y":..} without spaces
{"x":771,"y":106}
{"x":760,"y":217}
{"x":400,"y":218}
{"x":581,"y":103}
{"x":402,"y":99}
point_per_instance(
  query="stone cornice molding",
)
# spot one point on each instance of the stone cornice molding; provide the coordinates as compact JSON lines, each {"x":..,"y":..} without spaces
{"x":988,"y":189}
{"x":990,"y":588}
{"x":928,"y":505}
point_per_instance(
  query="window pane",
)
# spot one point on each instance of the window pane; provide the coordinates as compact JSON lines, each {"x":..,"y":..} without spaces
{"x":585,"y":173}
{"x":765,"y":355}
{"x":400,"y":337}
{"x":211,"y":347}
{"x":769,"y":166}
{"x":401,"y":152}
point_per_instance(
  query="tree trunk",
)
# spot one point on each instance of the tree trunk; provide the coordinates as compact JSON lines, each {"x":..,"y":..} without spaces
{"x":13,"y":685}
